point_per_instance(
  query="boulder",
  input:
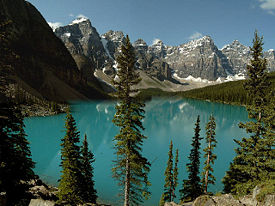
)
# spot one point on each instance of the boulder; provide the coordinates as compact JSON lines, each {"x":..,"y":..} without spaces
{"x":226,"y":200}
{"x":201,"y":200}
{"x":40,"y":202}
{"x":171,"y":204}
{"x":3,"y":198}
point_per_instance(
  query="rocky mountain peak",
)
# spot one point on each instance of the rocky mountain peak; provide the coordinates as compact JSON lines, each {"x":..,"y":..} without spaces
{"x":140,"y":45}
{"x":114,"y":36}
{"x":234,"y":47}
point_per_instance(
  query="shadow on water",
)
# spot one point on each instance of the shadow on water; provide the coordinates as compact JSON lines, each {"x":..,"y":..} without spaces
{"x":166,"y":120}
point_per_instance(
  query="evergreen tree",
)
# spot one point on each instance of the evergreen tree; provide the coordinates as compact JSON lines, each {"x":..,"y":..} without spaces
{"x":255,"y":157}
{"x":72,"y":179}
{"x":208,"y":177}
{"x":162,"y":201}
{"x":87,"y":158}
{"x":192,"y":186}
{"x":15,"y":157}
{"x":175,"y":175}
{"x":131,"y":168}
{"x":169,"y":178}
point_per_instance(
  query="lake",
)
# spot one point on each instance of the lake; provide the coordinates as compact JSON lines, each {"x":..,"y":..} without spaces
{"x":166,"y":120}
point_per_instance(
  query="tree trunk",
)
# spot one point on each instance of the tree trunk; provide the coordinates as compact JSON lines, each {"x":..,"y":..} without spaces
{"x":127,"y":183}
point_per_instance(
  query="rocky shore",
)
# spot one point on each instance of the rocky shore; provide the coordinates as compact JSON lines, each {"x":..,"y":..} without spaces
{"x":229,"y":200}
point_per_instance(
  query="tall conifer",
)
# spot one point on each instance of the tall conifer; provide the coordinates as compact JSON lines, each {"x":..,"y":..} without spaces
{"x":70,"y":185}
{"x":191,"y":188}
{"x":255,"y":157}
{"x":131,"y":168}
{"x":207,"y":174}
{"x":15,"y":157}
{"x":88,"y":185}
{"x":175,"y":175}
{"x":169,"y":178}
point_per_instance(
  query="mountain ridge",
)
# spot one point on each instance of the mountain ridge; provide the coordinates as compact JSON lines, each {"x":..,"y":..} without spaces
{"x":196,"y":60}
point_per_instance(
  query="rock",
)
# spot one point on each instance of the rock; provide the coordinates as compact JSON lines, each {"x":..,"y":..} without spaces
{"x":225,"y":200}
{"x":256,"y":191}
{"x":170,"y":204}
{"x":248,"y":200}
{"x":201,"y":200}
{"x":3,"y":198}
{"x":40,"y":202}
{"x":269,"y":200}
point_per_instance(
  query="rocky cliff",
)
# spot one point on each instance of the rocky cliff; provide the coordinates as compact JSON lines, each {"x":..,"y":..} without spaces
{"x":199,"y":58}
{"x":45,"y":68}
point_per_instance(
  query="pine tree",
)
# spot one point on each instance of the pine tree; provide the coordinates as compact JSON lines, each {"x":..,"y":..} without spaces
{"x":169,"y":178}
{"x":175,"y":175}
{"x":71,"y":181}
{"x":208,"y":177}
{"x":255,"y":157}
{"x":191,"y":188}
{"x":87,"y":158}
{"x":131,"y":168}
{"x":162,"y":201}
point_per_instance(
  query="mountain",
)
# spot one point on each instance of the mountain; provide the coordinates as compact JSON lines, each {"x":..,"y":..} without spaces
{"x":85,"y":45}
{"x":45,"y":68}
{"x":197,"y":60}
{"x":237,"y":55}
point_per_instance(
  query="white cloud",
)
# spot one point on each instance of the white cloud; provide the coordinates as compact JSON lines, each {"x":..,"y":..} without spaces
{"x":55,"y":25}
{"x":196,"y":35}
{"x":268,"y":5}
{"x":71,"y":15}
{"x":82,"y":16}
{"x":155,"y":41}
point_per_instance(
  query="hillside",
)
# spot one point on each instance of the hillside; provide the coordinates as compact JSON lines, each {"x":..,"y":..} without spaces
{"x":43,"y":69}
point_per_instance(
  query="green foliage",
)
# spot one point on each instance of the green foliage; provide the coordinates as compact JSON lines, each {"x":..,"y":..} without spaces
{"x":171,"y":176}
{"x":175,"y":174}
{"x":228,"y":92}
{"x":191,"y":188}
{"x":131,"y":168}
{"x":87,"y":158}
{"x":255,"y":156}
{"x":162,"y":201}
{"x":15,"y":157}
{"x":207,"y":176}
{"x":266,"y":188}
{"x":71,"y":179}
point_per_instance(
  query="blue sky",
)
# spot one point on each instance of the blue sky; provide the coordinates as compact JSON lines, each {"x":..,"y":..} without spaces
{"x":173,"y":21}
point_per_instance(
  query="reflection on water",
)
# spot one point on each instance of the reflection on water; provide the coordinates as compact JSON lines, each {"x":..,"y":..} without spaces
{"x":166,"y":119}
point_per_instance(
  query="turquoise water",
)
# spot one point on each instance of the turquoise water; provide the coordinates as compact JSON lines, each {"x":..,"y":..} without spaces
{"x":166,"y":120}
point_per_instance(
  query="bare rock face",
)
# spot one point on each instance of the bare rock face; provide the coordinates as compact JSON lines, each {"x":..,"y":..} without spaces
{"x":40,"y":202}
{"x":238,"y":56}
{"x":198,"y":58}
{"x":85,"y":45}
{"x":270,"y":57}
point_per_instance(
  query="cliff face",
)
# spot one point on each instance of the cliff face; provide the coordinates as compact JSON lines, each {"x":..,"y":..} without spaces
{"x":45,"y":68}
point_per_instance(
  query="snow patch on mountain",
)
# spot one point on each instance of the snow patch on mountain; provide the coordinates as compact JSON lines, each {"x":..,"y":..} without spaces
{"x":55,"y":25}
{"x":79,"y":20}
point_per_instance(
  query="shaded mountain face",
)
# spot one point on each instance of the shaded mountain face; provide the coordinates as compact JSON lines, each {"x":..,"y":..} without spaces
{"x":85,"y":45}
{"x":45,"y":68}
{"x":198,"y":58}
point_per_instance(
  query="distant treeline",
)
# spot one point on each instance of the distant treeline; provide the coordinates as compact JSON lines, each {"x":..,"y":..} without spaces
{"x":229,"y":92}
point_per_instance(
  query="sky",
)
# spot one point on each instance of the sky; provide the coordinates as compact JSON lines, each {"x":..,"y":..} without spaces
{"x":173,"y":21}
